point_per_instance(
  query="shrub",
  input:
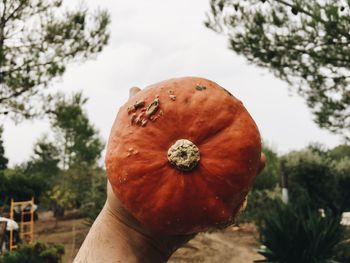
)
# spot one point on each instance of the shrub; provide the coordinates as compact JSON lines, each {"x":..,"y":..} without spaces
{"x":258,"y":202}
{"x":96,"y":197}
{"x":37,"y":252}
{"x":312,"y":178}
{"x":268,"y":179}
{"x":319,"y":176}
{"x":20,"y":186}
{"x":298,"y":233}
{"x":344,"y":254}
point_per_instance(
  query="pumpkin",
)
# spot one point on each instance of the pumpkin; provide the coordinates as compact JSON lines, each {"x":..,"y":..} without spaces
{"x":182,"y":155}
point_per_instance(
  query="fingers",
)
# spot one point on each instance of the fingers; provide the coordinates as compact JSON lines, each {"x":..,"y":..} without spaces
{"x":133,"y":91}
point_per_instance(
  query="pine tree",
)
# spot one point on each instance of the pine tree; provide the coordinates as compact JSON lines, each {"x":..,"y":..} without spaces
{"x":38,"y":38}
{"x":304,"y":42}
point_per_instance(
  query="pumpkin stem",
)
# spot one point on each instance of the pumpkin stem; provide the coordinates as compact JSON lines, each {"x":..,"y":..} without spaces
{"x":184,"y":155}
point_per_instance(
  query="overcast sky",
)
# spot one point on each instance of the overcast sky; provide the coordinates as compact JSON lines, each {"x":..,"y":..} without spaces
{"x":155,"y":40}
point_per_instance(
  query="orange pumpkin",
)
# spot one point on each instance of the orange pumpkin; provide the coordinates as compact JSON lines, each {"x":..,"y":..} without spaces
{"x":182,"y":155}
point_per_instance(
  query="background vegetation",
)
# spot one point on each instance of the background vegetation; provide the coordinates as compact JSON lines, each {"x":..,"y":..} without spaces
{"x":305,"y":43}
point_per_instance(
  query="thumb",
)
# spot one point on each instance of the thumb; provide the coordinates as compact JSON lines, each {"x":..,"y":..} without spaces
{"x":262,"y":162}
{"x":133,"y":91}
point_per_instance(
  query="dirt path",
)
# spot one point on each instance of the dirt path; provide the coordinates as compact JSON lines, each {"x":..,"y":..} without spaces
{"x":236,"y":245}
{"x":70,"y":233}
{"x":233,"y":244}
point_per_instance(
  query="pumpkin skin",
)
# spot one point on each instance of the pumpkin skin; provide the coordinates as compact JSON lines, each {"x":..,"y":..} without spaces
{"x":156,"y":192}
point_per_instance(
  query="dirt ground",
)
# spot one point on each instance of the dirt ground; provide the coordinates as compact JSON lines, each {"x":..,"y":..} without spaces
{"x":234,"y":244}
{"x":69,"y":232}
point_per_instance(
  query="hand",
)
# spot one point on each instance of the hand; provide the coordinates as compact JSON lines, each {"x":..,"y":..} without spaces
{"x":116,"y":236}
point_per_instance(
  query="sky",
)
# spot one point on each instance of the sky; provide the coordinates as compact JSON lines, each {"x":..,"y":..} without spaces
{"x":155,"y":40}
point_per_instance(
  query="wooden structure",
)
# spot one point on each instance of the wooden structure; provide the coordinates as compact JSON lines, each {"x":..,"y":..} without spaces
{"x":26,"y":227}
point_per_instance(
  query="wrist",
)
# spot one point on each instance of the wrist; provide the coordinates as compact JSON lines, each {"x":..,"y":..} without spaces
{"x":113,"y":239}
{"x":140,"y":242}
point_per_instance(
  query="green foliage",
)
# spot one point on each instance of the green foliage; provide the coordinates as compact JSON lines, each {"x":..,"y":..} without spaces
{"x":3,"y":166}
{"x":37,"y":39}
{"x":258,"y":202}
{"x":60,"y":173}
{"x":265,"y":189}
{"x":3,"y":189}
{"x":20,"y":186}
{"x":44,"y":161}
{"x":297,"y":233}
{"x":78,"y":148}
{"x":316,"y":176}
{"x":342,"y":170}
{"x":83,"y":189}
{"x":63,"y":196}
{"x":64,"y":171}
{"x":311,"y":177}
{"x":76,"y":138}
{"x":304,"y":42}
{"x":34,"y":178}
{"x":343,"y":254}
{"x":37,"y":252}
{"x":3,"y":159}
{"x":340,"y":152}
{"x":95,"y":197}
{"x":269,"y":177}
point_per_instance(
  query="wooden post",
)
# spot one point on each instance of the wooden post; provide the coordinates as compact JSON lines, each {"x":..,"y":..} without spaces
{"x":32,"y":221}
{"x":11,"y":230}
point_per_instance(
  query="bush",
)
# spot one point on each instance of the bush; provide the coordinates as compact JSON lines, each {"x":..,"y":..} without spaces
{"x":264,"y":190}
{"x":20,"y":186}
{"x":312,"y":178}
{"x":342,"y":170}
{"x":96,"y":197}
{"x":297,"y":233}
{"x":258,"y":202}
{"x":37,"y":252}
{"x":319,"y":177}
{"x":268,"y":179}
{"x":344,"y":254}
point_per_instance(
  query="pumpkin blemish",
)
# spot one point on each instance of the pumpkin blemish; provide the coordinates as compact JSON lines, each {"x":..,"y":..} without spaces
{"x":139,"y":104}
{"x":138,"y":119}
{"x":132,"y":118}
{"x":200,"y":87}
{"x":143,"y":122}
{"x":152,"y":108}
{"x":131,"y":109}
